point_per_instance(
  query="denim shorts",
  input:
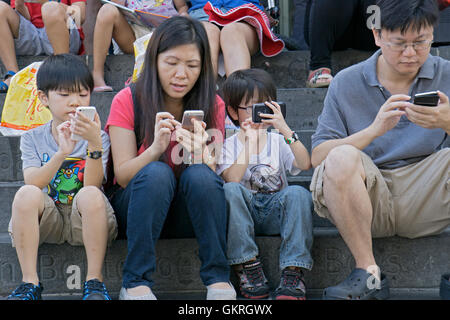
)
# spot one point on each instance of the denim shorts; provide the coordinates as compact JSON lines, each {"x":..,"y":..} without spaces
{"x":33,"y":41}
{"x":201,"y":15}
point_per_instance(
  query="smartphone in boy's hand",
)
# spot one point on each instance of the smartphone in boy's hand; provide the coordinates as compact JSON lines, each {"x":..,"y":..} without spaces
{"x":259,"y":108}
{"x":87,"y":111}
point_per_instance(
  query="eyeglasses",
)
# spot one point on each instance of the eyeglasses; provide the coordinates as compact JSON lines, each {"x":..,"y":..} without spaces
{"x":417,"y":46}
{"x":247,"y":109}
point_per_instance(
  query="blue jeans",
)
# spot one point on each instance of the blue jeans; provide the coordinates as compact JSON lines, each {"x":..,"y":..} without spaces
{"x":154,"y":202}
{"x":287,"y":213}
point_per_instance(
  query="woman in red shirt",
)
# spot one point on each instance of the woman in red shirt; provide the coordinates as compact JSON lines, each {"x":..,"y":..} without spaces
{"x":157,"y":190}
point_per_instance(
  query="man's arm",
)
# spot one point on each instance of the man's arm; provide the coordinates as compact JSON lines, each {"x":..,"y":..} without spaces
{"x":386,"y":119}
{"x":431,"y":117}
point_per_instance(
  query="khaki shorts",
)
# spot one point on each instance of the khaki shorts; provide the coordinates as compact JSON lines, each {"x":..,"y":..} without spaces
{"x":411,"y":201}
{"x":62,"y":223}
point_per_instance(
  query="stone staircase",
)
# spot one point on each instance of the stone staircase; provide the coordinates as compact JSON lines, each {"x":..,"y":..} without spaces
{"x":413,"y":267}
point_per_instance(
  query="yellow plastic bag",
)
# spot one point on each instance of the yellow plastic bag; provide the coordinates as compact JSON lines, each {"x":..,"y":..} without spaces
{"x":22,"y":109}
{"x":140,"y":46}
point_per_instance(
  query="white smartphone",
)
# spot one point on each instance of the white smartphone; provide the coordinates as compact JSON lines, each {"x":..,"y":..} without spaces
{"x":89,"y":112}
{"x":188,"y":115}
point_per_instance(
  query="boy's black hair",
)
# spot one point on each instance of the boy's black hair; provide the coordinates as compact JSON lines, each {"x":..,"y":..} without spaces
{"x":64,"y":72}
{"x":243,"y":84}
{"x":404,"y":14}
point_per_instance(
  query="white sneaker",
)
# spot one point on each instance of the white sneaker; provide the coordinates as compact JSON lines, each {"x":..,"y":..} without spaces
{"x":125,"y":296}
{"x":221,"y":294}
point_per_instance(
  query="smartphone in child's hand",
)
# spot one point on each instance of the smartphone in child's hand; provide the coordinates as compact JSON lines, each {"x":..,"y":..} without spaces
{"x":188,"y":115}
{"x":89,"y":112}
{"x":259,"y":108}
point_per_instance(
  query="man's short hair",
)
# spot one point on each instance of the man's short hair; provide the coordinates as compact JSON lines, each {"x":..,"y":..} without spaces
{"x":405,"y":14}
{"x":64,"y":72}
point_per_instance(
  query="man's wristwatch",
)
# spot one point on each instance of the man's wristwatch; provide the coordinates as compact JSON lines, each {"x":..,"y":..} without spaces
{"x":94,"y":154}
{"x":292,"y":139}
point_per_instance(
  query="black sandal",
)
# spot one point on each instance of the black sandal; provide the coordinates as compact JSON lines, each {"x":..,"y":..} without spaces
{"x":356,"y":287}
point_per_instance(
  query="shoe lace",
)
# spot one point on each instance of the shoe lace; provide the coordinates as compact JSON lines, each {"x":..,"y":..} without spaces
{"x":293,"y":279}
{"x":25,"y":291}
{"x":95,"y":286}
{"x":255,"y":275}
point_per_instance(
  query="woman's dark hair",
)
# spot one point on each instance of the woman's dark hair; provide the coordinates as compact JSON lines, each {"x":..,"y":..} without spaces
{"x":174,"y":32}
{"x":404,"y":14}
{"x":64,"y":72}
{"x":243,"y":84}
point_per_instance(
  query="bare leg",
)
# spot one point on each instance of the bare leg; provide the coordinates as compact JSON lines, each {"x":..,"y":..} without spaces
{"x":213,"y":33}
{"x":348,"y":202}
{"x":91,"y":206}
{"x":54,"y":17}
{"x":27,"y":209}
{"x":9,"y":29}
{"x":110,"y":23}
{"x":239,"y":42}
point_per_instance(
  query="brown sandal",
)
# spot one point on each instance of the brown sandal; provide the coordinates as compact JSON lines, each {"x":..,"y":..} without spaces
{"x":319,"y":74}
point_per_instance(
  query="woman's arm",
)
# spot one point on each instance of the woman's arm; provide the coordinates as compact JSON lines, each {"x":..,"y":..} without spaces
{"x":124,"y":152}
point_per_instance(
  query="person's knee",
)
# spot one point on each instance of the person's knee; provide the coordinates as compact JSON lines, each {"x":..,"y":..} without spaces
{"x":300,"y":193}
{"x":27,"y":199}
{"x":107,"y":13}
{"x":232,"y":189}
{"x":4,"y":9}
{"x":91,"y":198}
{"x":229,"y":34}
{"x":155,"y":173}
{"x":342,"y":163}
{"x":53,"y":12}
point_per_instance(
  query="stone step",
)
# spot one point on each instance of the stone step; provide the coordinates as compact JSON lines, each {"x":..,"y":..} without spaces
{"x":289,"y":69}
{"x":409,"y":264}
{"x":312,"y":294}
{"x":9,"y":189}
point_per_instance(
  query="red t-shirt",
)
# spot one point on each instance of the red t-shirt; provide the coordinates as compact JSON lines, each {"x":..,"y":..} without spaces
{"x":444,"y":4}
{"x":36,"y":16}
{"x":121,"y":115}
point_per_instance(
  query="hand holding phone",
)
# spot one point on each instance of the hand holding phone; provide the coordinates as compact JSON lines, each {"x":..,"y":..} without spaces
{"x":188,"y":115}
{"x":87,"y":111}
{"x":259,"y":108}
{"x":428,"y":99}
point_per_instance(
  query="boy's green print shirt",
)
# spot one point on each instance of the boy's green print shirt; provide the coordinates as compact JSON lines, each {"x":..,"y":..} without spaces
{"x":67,"y":181}
{"x":38,"y":146}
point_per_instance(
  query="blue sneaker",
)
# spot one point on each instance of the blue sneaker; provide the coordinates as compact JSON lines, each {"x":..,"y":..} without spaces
{"x":95,"y":290}
{"x":27,"y":291}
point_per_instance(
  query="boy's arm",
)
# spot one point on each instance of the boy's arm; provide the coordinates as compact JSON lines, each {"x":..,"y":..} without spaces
{"x":236,"y":171}
{"x":90,"y":131}
{"x":41,"y":177}
{"x":181,"y":6}
{"x":302,"y":160}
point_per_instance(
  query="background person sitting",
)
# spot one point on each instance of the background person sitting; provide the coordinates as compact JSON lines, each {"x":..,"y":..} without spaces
{"x":111,"y":24}
{"x":328,"y":31}
{"x":39,"y":28}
